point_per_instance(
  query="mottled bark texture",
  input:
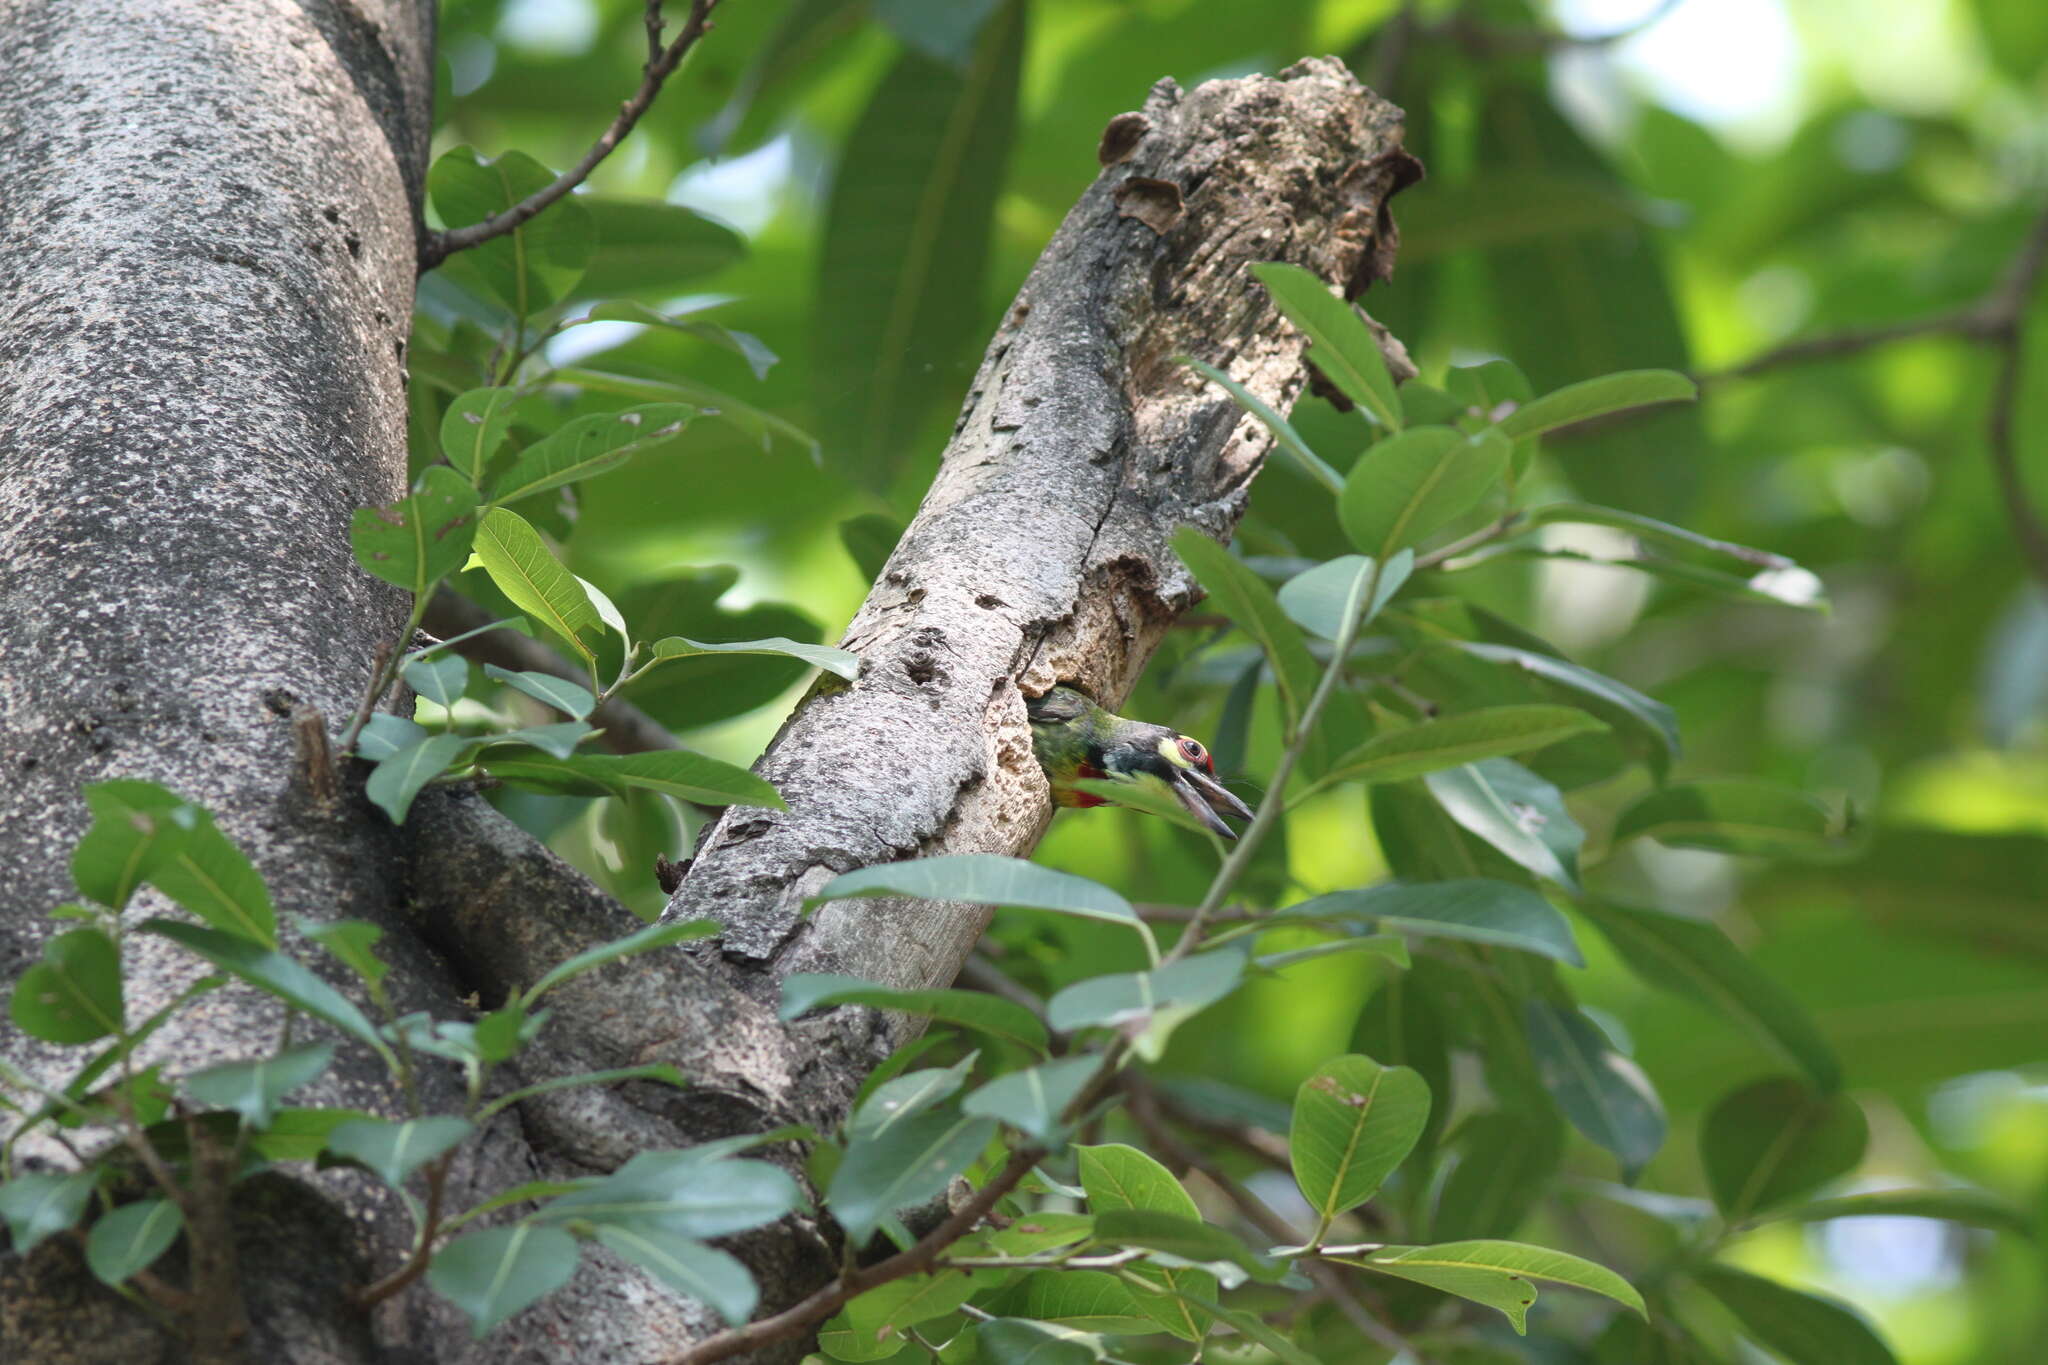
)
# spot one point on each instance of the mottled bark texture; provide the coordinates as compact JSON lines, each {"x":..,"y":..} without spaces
{"x":1040,"y":555}
{"x":208,"y":232}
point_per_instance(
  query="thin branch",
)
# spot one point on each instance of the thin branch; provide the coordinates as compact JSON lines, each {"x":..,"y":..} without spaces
{"x":369,"y":1296}
{"x":984,"y":975}
{"x":660,"y":65}
{"x":829,"y":1300}
{"x":627,"y":729}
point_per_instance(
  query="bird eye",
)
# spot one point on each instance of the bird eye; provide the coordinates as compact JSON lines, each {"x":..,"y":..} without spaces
{"x":1191,"y":749}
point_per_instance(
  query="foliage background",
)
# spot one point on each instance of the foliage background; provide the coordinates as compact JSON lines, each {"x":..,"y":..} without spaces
{"x":1728,"y":177}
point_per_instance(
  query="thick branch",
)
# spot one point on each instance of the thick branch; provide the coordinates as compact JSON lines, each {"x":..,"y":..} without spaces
{"x":1040,"y":554}
{"x":660,"y":65}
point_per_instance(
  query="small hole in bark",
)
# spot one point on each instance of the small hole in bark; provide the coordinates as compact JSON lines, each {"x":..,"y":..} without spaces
{"x":916,"y":596}
{"x":988,"y":602}
{"x":355,"y":245}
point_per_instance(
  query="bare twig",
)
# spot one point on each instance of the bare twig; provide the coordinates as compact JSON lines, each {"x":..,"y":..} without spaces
{"x":660,"y":65}
{"x":370,"y":1295}
{"x":984,"y":975}
{"x":627,"y":729}
{"x":829,"y":1300}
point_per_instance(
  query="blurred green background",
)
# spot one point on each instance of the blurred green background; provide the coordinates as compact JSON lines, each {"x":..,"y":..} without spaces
{"x":874,"y":180}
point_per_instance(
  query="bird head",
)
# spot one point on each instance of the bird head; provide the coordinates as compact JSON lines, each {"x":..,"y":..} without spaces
{"x":1077,"y":739}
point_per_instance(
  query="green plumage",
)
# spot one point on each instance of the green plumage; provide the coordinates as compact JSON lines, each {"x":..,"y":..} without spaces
{"x":1076,"y":739}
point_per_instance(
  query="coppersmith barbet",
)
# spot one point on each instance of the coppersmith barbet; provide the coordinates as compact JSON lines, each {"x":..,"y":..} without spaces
{"x":1077,"y":739}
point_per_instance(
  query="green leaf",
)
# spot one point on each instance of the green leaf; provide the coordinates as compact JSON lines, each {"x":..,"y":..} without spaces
{"x":208,"y":875}
{"x":589,"y":446}
{"x":492,"y":1275}
{"x":745,"y":345}
{"x":397,"y":780}
{"x":1771,"y":1142}
{"x":645,"y":246}
{"x":756,"y":423}
{"x":475,"y":427}
{"x":1647,"y":725}
{"x":870,"y":538}
{"x":1483,"y":388}
{"x":1452,"y":741}
{"x":1653,"y":531}
{"x":1342,"y":347}
{"x":1806,"y":1329}
{"x":1410,"y":485}
{"x":692,"y":1192}
{"x":906,"y":246}
{"x":1972,"y":1208}
{"x":905,"y":1097}
{"x":870,"y":1326}
{"x":526,"y":571}
{"x":1735,"y":815}
{"x":689,"y":1267}
{"x":1019,"y":1341}
{"x":673,"y":772}
{"x":421,"y":538}
{"x":563,"y":695}
{"x":1354,"y":1122}
{"x":395,"y":1148}
{"x":985,"y":877}
{"x":535,"y":264}
{"x":353,"y":941}
{"x":252,"y":1089}
{"x":558,"y":740}
{"x":658,"y":935}
{"x":1188,"y":1239}
{"x":1243,"y":596}
{"x":1329,"y":597}
{"x":1597,"y":398}
{"x":73,"y":995}
{"x":1505,"y":1165}
{"x":385,"y":734}
{"x":440,"y":680}
{"x":42,"y":1204}
{"x":275,"y":973}
{"x":1485,"y":1271}
{"x":1695,"y":959}
{"x":1032,"y":1101}
{"x":1604,"y":1094}
{"x":131,"y":1238}
{"x":1515,"y":811}
{"x":1284,"y":434}
{"x":803,"y":992}
{"x":1116,"y":1177}
{"x":1125,"y":1000}
{"x":135,"y":825}
{"x":840,"y":661}
{"x":908,"y":1164}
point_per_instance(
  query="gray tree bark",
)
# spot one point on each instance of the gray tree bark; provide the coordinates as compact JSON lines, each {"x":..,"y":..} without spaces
{"x":208,"y":231}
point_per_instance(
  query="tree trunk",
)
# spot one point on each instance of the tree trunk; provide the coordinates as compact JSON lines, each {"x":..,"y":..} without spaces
{"x":207,"y":246}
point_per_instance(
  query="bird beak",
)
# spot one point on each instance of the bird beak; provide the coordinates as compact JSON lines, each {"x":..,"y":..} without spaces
{"x":1208,"y":800}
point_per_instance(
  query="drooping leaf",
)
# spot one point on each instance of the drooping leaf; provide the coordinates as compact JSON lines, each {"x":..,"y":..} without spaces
{"x":1695,"y":959}
{"x":1735,"y":815}
{"x":1604,"y":1094}
{"x":385,"y":734}
{"x":131,"y":1238}
{"x":558,"y":740}
{"x":253,"y":1089}
{"x":692,"y":1192}
{"x":661,"y":934}
{"x":588,"y":446}
{"x":526,"y":570}
{"x":652,"y":1071}
{"x":990,"y":1014}
{"x":1591,"y":398}
{"x":422,"y":537}
{"x":1971,"y":1208}
{"x":1806,"y":1329}
{"x":906,"y":245}
{"x":475,"y":427}
{"x":395,"y":1148}
{"x":1354,"y":1122}
{"x":41,"y":1204}
{"x":441,"y":680}
{"x":275,"y":973}
{"x":985,"y":877}
{"x":1514,"y":810}
{"x":535,"y":264}
{"x":840,"y":661}
{"x":908,"y":1164}
{"x":689,"y":1267}
{"x":1485,"y":1271}
{"x":1120,"y":1000}
{"x":354,"y":942}
{"x":1647,"y":726}
{"x":1409,"y":485}
{"x":746,"y":345}
{"x":565,"y":696}
{"x":1776,"y":1140}
{"x":1287,"y":438}
{"x":908,"y":1095}
{"x":492,"y":1275}
{"x":1342,"y":347}
{"x":1032,"y":1100}
{"x":1346,"y":592}
{"x":395,"y":781}
{"x":73,"y":995}
{"x":135,"y":825}
{"x":1452,"y":741}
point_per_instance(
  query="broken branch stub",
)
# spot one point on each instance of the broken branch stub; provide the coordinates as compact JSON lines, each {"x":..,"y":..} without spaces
{"x":1040,"y":554}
